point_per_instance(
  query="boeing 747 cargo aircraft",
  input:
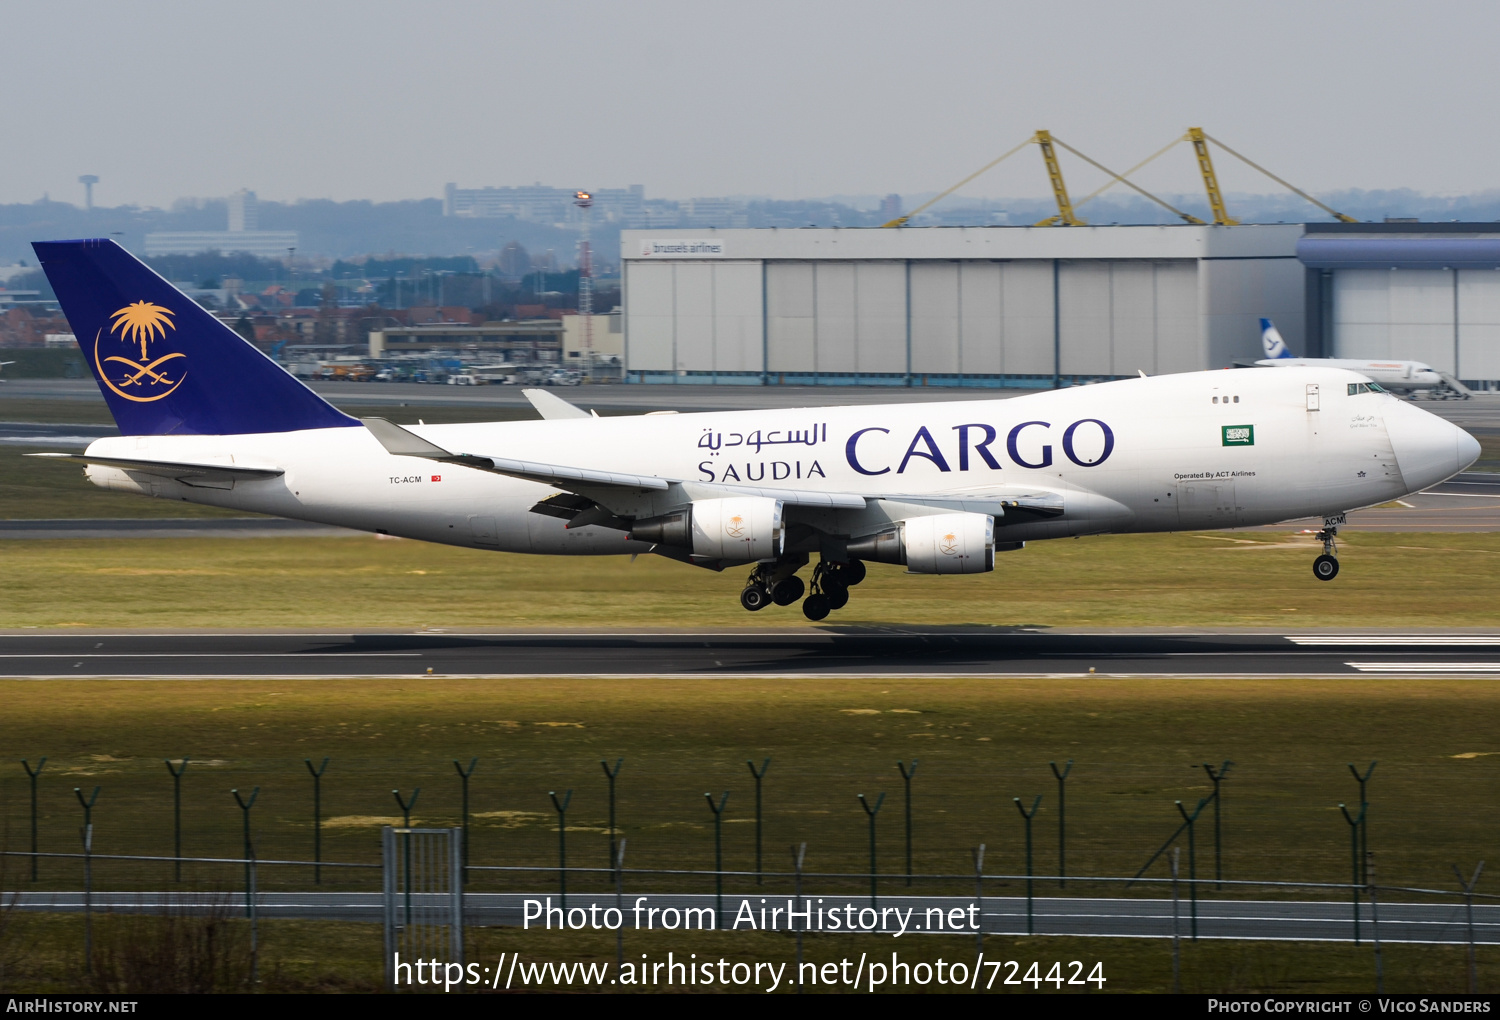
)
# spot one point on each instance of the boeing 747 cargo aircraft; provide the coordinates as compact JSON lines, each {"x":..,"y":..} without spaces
{"x":939,"y":488}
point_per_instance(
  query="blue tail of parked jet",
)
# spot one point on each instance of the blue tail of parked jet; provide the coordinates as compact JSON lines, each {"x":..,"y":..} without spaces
{"x":1270,"y":339}
{"x":164,"y":365}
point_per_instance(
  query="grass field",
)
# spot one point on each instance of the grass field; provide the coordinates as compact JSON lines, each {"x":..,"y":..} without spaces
{"x":1223,"y":579}
{"x":1137,"y":744}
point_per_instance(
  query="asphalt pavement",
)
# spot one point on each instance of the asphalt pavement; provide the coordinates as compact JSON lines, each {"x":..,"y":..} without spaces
{"x":825,"y":652}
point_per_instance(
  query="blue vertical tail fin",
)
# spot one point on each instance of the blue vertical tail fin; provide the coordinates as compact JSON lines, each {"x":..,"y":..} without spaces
{"x":1270,"y":340}
{"x":164,"y":365}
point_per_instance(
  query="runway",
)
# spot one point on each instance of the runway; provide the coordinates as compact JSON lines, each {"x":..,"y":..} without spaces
{"x":827,"y":652}
{"x":1051,"y":915}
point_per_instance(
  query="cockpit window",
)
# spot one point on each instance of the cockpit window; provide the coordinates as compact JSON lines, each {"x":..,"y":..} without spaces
{"x":1376,"y":388}
{"x":1359,"y":387}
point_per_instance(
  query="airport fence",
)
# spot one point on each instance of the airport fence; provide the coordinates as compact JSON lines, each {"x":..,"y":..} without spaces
{"x":910,"y":837}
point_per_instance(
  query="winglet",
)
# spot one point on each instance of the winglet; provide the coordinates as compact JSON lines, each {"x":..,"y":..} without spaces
{"x":399,"y":442}
{"x":550,"y":405}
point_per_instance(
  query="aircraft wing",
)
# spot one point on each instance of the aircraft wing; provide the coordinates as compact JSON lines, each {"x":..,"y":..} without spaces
{"x":999,"y":501}
{"x":207,"y":474}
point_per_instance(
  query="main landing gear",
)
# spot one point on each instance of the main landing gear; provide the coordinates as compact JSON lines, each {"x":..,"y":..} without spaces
{"x":1326,"y":567}
{"x":780,"y":584}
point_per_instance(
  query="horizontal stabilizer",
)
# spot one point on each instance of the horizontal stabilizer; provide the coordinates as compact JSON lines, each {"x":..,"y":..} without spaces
{"x":169,"y":468}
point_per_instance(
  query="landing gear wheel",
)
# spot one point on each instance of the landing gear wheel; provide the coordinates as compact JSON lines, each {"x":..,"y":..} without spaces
{"x":787,"y":590}
{"x":837,"y":594}
{"x":1325,"y":568}
{"x":755,"y":597}
{"x":816,"y":607}
{"x":853,"y":572}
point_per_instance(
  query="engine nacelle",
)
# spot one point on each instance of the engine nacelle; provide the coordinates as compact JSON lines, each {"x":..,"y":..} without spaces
{"x":740,"y":528}
{"x":940,"y":544}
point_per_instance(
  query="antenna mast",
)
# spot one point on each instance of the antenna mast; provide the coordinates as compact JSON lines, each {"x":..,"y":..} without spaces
{"x":585,"y":203}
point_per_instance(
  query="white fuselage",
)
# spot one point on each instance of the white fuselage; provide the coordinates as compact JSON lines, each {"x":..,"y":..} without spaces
{"x":1161,"y":454}
{"x":1396,"y":375}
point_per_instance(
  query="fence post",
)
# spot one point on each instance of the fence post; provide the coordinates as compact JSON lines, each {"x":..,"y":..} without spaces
{"x":176,"y":814}
{"x":39,"y":766}
{"x":979,"y":900}
{"x":906,"y":776}
{"x":718,"y":856}
{"x":1468,"y":888}
{"x":245,"y":807}
{"x":1375,"y":924}
{"x":872,"y":812}
{"x":317,"y":778}
{"x":1354,"y":862}
{"x":798,"y":853}
{"x":463,"y":777}
{"x":758,"y":777}
{"x":254,"y":917}
{"x":388,"y":902}
{"x":1062,"y":821}
{"x":1217,"y":776}
{"x":610,"y":774}
{"x":620,"y":906}
{"x":561,"y":807}
{"x":1176,"y":927}
{"x":456,"y":845}
{"x":406,"y":806}
{"x":1364,"y":816}
{"x":88,"y":874}
{"x":1030,"y":918}
{"x":88,"y":894}
{"x":1190,"y":821}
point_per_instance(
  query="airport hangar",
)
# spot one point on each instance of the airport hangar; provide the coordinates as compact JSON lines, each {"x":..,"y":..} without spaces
{"x":1045,"y":306}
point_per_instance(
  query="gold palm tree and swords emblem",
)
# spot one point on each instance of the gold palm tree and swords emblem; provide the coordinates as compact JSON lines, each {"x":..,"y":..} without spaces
{"x":143,"y":381}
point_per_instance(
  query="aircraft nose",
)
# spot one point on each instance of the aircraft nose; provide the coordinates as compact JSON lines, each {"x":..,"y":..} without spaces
{"x":1428,"y":449}
{"x":1468,"y":449}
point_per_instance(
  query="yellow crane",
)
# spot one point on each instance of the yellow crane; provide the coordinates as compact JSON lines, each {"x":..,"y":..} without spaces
{"x":1210,"y":179}
{"x":1067,"y":215}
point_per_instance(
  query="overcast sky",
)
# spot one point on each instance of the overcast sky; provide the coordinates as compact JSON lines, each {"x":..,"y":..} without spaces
{"x":384,"y":100}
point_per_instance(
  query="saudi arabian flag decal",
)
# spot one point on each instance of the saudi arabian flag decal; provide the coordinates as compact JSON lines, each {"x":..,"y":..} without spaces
{"x":1239,"y":435}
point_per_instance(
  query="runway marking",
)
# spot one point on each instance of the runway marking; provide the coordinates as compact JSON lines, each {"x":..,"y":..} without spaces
{"x":1426,"y":667}
{"x":1425,"y":640}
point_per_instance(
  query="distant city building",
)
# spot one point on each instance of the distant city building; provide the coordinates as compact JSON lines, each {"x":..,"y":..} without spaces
{"x":244,"y":213}
{"x":242,"y":235}
{"x":890,"y":206}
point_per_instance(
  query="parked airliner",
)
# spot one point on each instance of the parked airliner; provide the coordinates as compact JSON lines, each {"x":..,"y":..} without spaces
{"x":1400,"y":376}
{"x":940,"y":488}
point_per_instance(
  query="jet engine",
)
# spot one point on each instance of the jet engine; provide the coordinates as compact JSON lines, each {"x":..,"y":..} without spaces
{"x":740,"y":528}
{"x":940,"y":544}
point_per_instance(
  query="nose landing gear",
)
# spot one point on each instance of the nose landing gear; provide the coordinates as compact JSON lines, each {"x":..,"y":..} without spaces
{"x":1326,"y":567}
